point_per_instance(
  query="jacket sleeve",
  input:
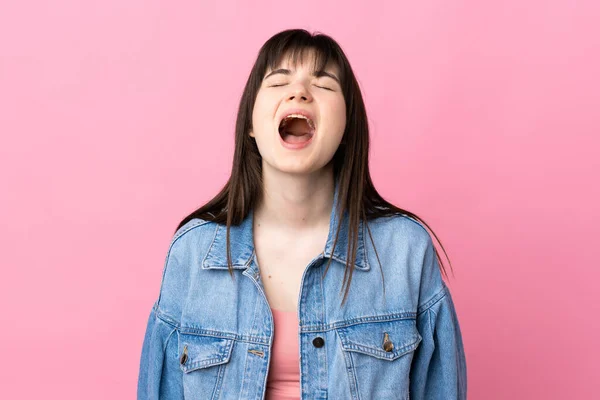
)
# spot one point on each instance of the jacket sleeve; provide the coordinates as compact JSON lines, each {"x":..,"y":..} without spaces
{"x":159,"y":373}
{"x":439,"y":369}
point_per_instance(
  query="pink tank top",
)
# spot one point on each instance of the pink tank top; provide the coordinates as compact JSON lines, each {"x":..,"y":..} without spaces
{"x":283,"y":381}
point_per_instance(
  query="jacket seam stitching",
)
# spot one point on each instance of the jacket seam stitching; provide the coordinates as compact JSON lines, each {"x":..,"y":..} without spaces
{"x":357,"y":321}
{"x":212,"y":243}
{"x":429,"y":312}
{"x":168,"y":338}
{"x":362,"y":241}
{"x":166,"y":319}
{"x":434,"y":299}
{"x":225,"y":335}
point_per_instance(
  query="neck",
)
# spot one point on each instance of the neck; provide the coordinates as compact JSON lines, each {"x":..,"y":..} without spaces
{"x":296,"y":201}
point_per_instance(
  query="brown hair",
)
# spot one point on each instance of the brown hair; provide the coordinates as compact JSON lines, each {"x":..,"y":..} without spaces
{"x":357,"y":195}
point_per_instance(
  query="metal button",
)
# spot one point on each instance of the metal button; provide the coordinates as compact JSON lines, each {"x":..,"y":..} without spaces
{"x":184,"y":356}
{"x":387,"y":343}
{"x":318,"y":342}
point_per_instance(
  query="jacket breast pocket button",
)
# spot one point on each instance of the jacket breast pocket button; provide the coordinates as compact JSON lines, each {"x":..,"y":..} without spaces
{"x":318,"y":342}
{"x":184,"y":356}
{"x":387,"y":343}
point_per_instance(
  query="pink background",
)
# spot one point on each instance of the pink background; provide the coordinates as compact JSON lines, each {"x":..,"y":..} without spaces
{"x":117,"y":120}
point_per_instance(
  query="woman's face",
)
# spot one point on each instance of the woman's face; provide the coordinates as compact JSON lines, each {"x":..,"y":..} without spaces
{"x":302,"y":146}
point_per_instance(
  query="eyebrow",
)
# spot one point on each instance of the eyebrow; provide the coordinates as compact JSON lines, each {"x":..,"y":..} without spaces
{"x":317,"y":74}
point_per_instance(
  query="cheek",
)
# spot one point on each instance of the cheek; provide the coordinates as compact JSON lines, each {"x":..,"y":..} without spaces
{"x":262,"y":113}
{"x":338,"y":113}
{"x":259,"y":115}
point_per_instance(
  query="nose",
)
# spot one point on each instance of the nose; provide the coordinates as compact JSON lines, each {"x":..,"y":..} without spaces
{"x":298,"y":92}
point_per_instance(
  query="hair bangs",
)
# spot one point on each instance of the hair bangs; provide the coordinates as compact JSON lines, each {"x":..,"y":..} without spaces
{"x":296,"y":48}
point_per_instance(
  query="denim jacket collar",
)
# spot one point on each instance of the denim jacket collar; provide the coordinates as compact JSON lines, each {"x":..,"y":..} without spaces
{"x":242,"y":244}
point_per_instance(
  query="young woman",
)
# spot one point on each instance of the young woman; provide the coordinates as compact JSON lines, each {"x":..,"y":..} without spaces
{"x":298,"y":280}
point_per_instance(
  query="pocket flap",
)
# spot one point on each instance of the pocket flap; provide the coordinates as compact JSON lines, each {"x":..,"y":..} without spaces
{"x":370,"y":337}
{"x":199,"y":351}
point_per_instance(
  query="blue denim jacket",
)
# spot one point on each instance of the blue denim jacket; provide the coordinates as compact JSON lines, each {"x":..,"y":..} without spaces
{"x":209,"y":336}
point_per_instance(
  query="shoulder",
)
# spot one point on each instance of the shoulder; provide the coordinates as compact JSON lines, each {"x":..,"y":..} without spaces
{"x":190,"y":238}
{"x":401,"y":230}
{"x":405,"y":249}
{"x":192,"y":228}
{"x":183,"y":257}
{"x":187,"y":241}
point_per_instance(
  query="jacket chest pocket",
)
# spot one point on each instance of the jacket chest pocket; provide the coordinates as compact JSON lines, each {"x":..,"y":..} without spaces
{"x":378,"y":357}
{"x":202,"y":360}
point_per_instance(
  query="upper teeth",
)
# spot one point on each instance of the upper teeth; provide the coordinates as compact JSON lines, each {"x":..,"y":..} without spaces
{"x":310,"y":122}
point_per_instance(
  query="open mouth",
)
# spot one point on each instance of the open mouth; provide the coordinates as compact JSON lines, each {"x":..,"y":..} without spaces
{"x":296,"y":128}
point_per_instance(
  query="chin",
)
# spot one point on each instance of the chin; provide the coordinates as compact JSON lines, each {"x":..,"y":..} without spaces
{"x":296,"y":169}
{"x":299,"y":168}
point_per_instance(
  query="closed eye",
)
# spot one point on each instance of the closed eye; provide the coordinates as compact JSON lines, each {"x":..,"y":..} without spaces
{"x":283,"y":84}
